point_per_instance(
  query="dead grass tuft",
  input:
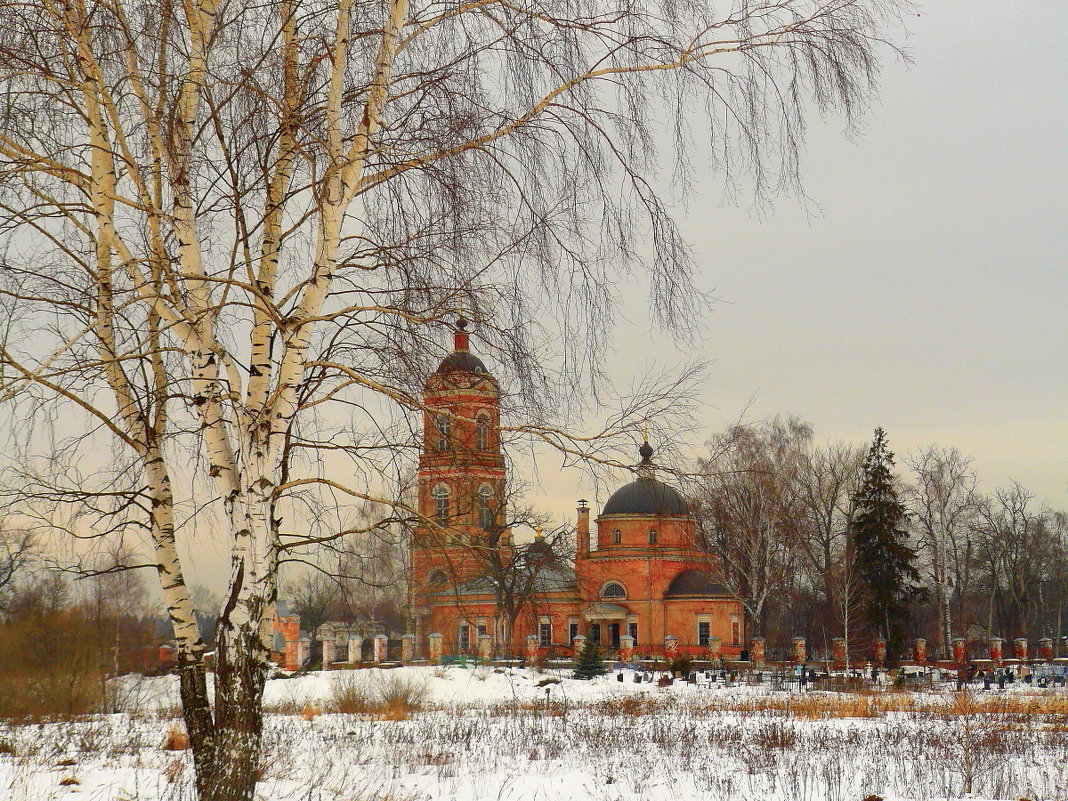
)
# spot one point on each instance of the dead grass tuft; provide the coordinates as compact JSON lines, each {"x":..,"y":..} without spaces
{"x":176,"y":739}
{"x":391,"y":697}
{"x":174,"y":771}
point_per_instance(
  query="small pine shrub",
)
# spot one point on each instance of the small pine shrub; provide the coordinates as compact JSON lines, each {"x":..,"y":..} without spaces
{"x":682,"y":664}
{"x":590,"y":662}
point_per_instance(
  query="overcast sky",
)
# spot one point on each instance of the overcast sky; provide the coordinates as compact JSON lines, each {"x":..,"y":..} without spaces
{"x":928,"y":297}
{"x":928,"y":293}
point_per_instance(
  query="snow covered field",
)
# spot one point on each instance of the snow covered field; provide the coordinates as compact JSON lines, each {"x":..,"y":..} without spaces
{"x":498,"y":736}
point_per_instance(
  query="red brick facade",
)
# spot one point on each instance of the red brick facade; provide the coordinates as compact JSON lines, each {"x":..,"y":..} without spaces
{"x":638,"y":573}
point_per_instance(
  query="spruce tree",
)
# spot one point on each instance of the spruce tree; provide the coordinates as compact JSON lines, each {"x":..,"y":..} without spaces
{"x":883,"y":559}
{"x":590,"y":663}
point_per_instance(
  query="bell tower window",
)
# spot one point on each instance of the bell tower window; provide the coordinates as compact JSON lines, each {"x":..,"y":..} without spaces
{"x":482,"y":433}
{"x":441,"y":503}
{"x":443,"y":423}
{"x":485,"y":511}
{"x":616,"y":537}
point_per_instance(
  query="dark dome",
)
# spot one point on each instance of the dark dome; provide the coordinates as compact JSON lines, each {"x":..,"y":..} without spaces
{"x":462,"y":361}
{"x":694,"y":583}
{"x":646,"y":496}
{"x":538,"y":547}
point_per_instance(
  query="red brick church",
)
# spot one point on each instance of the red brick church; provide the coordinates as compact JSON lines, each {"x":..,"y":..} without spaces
{"x":634,"y":581}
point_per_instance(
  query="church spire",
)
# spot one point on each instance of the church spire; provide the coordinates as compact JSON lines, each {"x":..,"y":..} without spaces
{"x":461,"y":340}
{"x":645,"y":466}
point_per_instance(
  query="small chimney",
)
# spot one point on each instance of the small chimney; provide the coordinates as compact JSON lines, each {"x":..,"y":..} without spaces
{"x":461,"y":339}
{"x":583,"y":529}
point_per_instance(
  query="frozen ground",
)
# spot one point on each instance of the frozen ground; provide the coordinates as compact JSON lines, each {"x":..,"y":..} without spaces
{"x":498,"y":736}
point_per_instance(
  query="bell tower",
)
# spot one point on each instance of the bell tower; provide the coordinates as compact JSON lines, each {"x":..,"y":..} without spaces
{"x":461,"y":471}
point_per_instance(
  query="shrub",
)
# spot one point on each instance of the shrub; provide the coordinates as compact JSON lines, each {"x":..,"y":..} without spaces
{"x":590,"y":662}
{"x":682,"y":664}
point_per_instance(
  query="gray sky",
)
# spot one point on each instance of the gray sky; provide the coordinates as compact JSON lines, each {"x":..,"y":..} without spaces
{"x":928,"y":295}
{"x":925,"y":296}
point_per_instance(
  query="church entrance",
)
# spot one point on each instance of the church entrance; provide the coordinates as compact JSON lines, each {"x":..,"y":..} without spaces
{"x":613,"y":632}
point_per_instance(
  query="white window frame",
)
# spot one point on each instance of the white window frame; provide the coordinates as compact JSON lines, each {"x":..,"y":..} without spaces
{"x":485,"y":513}
{"x":443,"y":424}
{"x":441,"y":493}
{"x":545,"y":631}
{"x":704,"y":620}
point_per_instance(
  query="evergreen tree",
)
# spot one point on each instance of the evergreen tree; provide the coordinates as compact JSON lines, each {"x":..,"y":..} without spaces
{"x":590,"y":662}
{"x":882,"y":557}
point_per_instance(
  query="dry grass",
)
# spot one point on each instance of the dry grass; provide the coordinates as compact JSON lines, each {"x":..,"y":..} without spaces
{"x":391,"y":696}
{"x":53,"y":668}
{"x":817,"y":706}
{"x":176,"y":739}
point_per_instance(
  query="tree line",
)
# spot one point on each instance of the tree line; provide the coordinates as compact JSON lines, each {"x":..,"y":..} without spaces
{"x":786,"y":518}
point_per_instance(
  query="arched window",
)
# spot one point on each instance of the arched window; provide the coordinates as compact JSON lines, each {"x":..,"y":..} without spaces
{"x":652,"y":536}
{"x":482,"y":425}
{"x":440,"y":494}
{"x":613,"y":590}
{"x":485,"y":511}
{"x":443,"y":423}
{"x":616,"y":537}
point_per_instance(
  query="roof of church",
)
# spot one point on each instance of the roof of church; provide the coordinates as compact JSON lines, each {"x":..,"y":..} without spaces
{"x":695,"y":584}
{"x":646,"y":496}
{"x":462,"y":362}
{"x":555,"y":577}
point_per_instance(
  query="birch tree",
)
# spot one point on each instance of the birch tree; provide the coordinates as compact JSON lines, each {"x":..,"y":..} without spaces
{"x":943,"y":510}
{"x":233,"y":234}
{"x":828,"y":476}
{"x":750,"y":509}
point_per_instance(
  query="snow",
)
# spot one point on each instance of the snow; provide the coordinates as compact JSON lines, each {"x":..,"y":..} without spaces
{"x":496,"y":735}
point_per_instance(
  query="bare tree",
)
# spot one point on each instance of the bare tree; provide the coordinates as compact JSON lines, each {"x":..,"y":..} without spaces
{"x":1056,"y":593}
{"x":943,"y":508}
{"x":750,"y":509}
{"x":828,"y":477}
{"x":223,"y":220}
{"x":1018,"y":548}
{"x":315,"y":597}
{"x":17,"y":549}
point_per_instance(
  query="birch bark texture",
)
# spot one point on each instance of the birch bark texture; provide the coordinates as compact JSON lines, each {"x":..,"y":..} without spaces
{"x":221,"y":221}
